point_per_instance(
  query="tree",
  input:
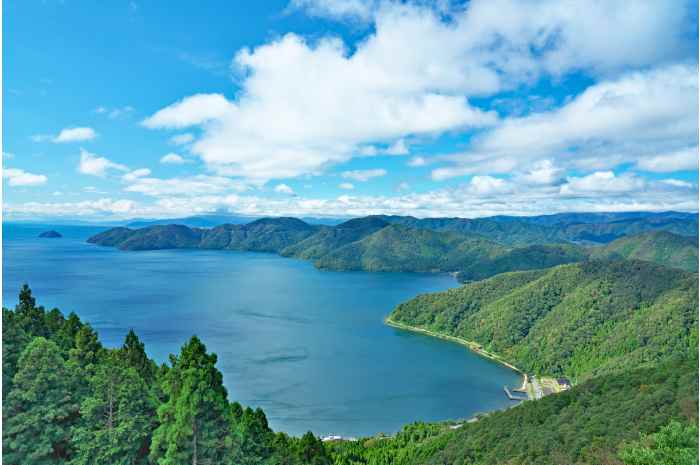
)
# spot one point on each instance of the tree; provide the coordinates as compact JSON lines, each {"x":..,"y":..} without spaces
{"x":117,"y":417}
{"x":14,"y":341}
{"x":252,"y":435}
{"x":194,"y":426}
{"x":31,"y":316}
{"x":135,"y":356}
{"x":674,"y":444}
{"x":39,"y":412}
{"x":310,"y":450}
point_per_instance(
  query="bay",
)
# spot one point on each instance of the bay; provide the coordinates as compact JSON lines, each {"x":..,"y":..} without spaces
{"x":307,"y":346}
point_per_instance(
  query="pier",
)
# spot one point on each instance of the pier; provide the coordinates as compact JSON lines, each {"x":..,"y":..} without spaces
{"x":511,"y":396}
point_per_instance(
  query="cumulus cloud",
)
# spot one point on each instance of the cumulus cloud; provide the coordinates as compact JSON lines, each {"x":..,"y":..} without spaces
{"x":76,"y":134}
{"x":95,"y":165}
{"x":610,"y":123}
{"x":363,"y":175}
{"x":190,"y":111}
{"x":346,"y":185}
{"x":284,"y":189}
{"x":400,"y":147}
{"x":488,"y":185}
{"x":18,"y":177}
{"x":172,"y":159}
{"x":602,"y":182}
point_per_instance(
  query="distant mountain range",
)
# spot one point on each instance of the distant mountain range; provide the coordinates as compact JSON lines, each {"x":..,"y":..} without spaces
{"x":473,"y":249}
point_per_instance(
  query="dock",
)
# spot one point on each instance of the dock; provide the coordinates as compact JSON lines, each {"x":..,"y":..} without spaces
{"x":511,"y":396}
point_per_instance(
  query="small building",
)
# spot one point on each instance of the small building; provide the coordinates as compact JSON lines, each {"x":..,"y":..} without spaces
{"x":564,"y":384}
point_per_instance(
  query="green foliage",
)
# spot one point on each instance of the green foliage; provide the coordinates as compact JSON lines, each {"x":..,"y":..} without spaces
{"x":674,"y":444}
{"x":116,"y":417}
{"x":662,"y":247}
{"x":370,"y":243}
{"x":579,"y":320}
{"x":41,"y":407}
{"x":194,"y":425}
{"x":585,"y":425}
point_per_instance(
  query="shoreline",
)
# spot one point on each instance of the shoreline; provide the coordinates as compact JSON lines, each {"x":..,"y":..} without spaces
{"x":471,"y":345}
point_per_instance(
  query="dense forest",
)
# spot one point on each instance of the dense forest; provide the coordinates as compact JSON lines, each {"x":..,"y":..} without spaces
{"x":661,"y":247}
{"x":69,"y":400}
{"x":578,"y":320}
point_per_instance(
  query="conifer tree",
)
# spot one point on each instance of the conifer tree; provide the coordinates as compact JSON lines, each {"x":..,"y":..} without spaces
{"x":41,"y":408}
{"x":134,"y":354}
{"x":117,"y":417}
{"x":194,"y":425}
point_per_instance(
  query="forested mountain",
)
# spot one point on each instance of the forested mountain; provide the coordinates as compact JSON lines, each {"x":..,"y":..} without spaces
{"x":69,"y":400}
{"x":369,"y":243}
{"x":596,"y":422}
{"x":579,"y":320}
{"x":660,"y":247}
{"x":595,"y":228}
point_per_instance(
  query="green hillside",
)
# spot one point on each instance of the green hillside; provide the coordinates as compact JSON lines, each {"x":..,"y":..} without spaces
{"x":369,"y":244}
{"x":597,"y":422}
{"x":579,"y":320}
{"x":661,"y":247}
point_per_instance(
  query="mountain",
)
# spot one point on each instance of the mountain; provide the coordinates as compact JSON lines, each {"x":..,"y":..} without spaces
{"x":263,"y":235}
{"x":51,"y":234}
{"x":660,"y":247}
{"x":328,"y":239}
{"x":593,"y":228}
{"x":368,"y":243}
{"x":580,"y":320}
{"x":210,"y":221}
{"x":593,"y":423}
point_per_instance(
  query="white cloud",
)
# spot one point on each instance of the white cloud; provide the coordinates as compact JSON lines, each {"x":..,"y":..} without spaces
{"x":172,"y":159}
{"x":684,"y":159}
{"x":417,"y":161}
{"x":543,"y":172}
{"x":190,"y":111}
{"x":95,"y":165}
{"x":602,"y":182}
{"x":610,"y":123}
{"x":135,"y":174}
{"x":403,"y":186}
{"x":400,"y":147}
{"x":76,"y":134}
{"x":458,"y":201}
{"x":284,"y":189}
{"x":363,"y":175}
{"x":118,"y":112}
{"x":346,"y":185}
{"x":488,"y":185}
{"x":337,"y":9}
{"x":411,"y":76}
{"x":184,"y":186}
{"x":18,"y":177}
{"x":182,"y":139}
{"x":8,"y":155}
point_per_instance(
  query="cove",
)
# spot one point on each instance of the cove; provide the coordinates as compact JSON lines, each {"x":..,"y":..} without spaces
{"x":307,"y":346}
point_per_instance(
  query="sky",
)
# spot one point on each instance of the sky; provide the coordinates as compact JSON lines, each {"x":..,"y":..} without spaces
{"x":134,"y":109}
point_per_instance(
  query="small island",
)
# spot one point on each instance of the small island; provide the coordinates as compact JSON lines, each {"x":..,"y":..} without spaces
{"x":51,"y":234}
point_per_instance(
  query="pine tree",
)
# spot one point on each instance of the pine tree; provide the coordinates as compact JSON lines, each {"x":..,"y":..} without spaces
{"x":194,"y":426}
{"x":41,"y":408}
{"x":117,"y":417}
{"x":253,"y":437}
{"x":31,"y":316}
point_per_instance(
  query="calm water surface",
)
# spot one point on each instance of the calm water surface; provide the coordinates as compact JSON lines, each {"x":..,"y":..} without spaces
{"x":307,"y":346}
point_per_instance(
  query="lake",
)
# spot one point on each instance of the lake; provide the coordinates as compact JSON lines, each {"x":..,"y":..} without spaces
{"x":307,"y":346}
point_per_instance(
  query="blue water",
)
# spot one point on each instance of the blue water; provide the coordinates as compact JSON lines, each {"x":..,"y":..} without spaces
{"x":307,"y":346}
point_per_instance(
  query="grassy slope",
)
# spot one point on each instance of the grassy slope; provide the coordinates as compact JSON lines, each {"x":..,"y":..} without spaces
{"x":660,"y":247}
{"x":578,"y":320}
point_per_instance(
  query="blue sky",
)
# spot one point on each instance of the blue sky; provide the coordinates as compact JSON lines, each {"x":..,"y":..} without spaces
{"x":117,"y":110}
